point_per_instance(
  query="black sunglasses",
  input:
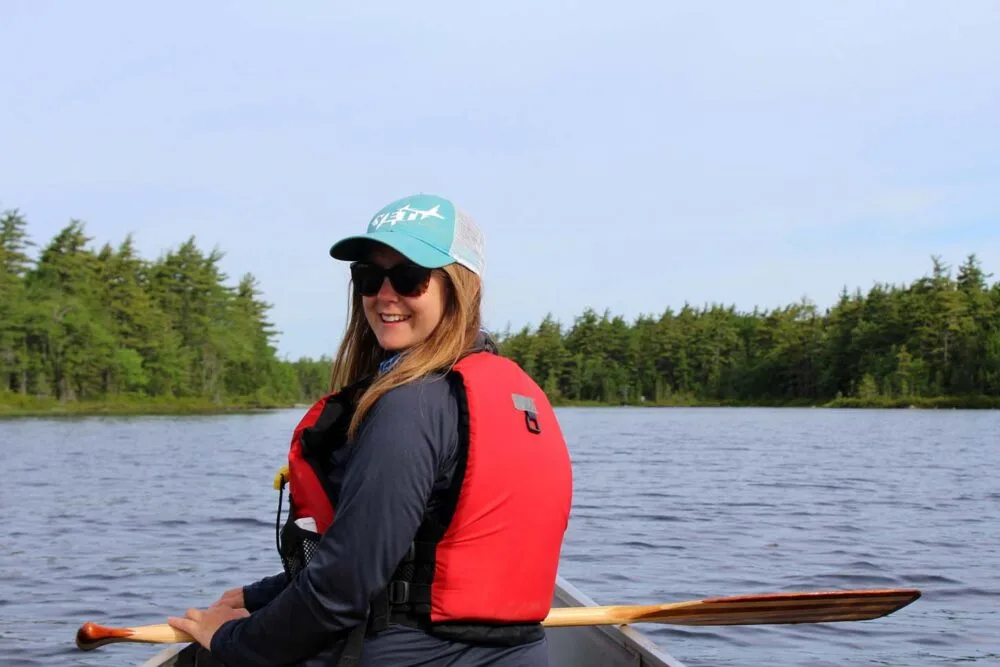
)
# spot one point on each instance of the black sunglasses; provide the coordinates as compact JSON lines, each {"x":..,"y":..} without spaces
{"x":407,"y":279}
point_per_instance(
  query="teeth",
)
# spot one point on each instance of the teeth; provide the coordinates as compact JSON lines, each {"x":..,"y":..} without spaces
{"x":394,"y":318}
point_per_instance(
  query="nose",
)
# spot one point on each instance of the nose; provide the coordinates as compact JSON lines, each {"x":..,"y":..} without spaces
{"x":386,"y":292}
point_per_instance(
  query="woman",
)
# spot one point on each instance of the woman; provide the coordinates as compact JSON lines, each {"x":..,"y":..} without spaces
{"x":429,"y":491}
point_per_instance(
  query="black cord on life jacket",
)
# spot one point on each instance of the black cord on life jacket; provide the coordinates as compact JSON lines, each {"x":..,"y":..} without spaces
{"x":277,"y":520}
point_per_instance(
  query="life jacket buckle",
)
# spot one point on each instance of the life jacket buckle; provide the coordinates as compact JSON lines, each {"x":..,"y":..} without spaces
{"x":526,"y":404}
{"x":399,"y":592}
{"x":531,"y":421}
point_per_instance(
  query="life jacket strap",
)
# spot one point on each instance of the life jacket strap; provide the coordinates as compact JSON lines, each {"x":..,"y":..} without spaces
{"x":355,"y":642}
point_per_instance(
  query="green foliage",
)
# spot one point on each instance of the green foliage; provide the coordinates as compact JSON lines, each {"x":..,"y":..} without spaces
{"x":918,"y":344}
{"x":868,"y":390}
{"x":86,"y":330}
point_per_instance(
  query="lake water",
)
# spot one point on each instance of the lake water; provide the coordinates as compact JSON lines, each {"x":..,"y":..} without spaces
{"x":124,"y":521}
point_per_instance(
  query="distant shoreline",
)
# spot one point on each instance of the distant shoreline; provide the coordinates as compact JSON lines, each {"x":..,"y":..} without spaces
{"x":917,"y":403}
{"x":27,"y":407}
{"x":37,"y":407}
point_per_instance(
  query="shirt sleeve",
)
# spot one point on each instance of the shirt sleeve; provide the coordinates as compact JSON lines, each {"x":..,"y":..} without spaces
{"x":396,"y":460}
{"x":259,"y":593}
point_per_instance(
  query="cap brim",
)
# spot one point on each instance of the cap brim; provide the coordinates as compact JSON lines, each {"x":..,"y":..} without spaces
{"x":355,"y":248}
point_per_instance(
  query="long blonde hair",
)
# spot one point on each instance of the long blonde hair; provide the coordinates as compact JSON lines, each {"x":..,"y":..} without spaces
{"x":359,"y":354}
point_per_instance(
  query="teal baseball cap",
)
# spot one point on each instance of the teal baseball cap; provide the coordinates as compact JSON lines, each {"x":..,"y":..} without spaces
{"x":426,"y":229}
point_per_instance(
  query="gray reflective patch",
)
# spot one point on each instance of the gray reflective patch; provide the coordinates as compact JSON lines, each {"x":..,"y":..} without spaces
{"x":525,"y":403}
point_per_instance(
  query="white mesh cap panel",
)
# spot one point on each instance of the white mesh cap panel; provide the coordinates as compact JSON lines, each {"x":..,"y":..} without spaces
{"x":468,"y":246}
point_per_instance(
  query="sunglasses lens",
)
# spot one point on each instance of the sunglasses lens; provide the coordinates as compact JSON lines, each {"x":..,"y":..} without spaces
{"x":407,"y":279}
{"x":367,"y":278}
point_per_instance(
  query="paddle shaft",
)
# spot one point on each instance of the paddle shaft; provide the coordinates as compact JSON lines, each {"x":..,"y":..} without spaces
{"x":159,"y":634}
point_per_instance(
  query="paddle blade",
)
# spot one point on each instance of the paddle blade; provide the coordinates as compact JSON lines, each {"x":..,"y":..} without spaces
{"x":91,"y":635}
{"x":773,"y":608}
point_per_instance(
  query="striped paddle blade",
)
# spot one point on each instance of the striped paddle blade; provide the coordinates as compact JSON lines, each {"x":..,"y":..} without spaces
{"x":772,"y":608}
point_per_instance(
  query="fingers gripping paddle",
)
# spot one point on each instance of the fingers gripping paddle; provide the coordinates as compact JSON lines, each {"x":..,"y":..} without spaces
{"x":772,"y":609}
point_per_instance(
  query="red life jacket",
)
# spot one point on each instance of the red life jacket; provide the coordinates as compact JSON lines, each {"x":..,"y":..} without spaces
{"x":489,"y":558}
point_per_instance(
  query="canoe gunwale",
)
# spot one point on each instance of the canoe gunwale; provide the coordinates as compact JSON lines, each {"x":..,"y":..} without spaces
{"x":627,"y":637}
{"x":164,"y":658}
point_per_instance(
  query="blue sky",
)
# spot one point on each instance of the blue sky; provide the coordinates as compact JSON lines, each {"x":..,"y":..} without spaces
{"x":628,"y":155}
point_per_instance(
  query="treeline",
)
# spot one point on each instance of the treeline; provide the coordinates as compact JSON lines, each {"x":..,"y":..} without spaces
{"x":935,"y":341}
{"x":78,"y":324}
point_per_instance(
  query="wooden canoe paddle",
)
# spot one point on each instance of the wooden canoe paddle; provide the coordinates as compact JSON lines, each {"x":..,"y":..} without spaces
{"x":770,"y":609}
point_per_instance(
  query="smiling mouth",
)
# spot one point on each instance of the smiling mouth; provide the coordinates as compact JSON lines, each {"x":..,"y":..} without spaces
{"x":393,"y":319}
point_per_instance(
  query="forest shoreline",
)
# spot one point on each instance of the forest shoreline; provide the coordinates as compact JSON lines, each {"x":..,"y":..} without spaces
{"x":28,"y":407}
{"x":876,"y":403}
{"x":101,"y":330}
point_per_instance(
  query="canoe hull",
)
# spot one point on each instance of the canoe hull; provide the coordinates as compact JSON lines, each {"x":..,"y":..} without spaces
{"x":582,"y":646}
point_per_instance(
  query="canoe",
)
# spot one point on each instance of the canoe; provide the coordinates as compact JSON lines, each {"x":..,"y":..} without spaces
{"x":580,"y":646}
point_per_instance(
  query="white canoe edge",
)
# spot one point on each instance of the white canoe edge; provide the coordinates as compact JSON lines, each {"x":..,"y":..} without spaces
{"x":165,"y":658}
{"x":600,"y":645}
{"x":582,"y":646}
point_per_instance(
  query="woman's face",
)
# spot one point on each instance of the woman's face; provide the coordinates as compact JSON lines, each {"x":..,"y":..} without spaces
{"x":400,"y":322}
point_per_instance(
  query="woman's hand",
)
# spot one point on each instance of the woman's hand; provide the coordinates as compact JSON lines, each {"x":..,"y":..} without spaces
{"x":202,"y":624}
{"x":233,"y":598}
